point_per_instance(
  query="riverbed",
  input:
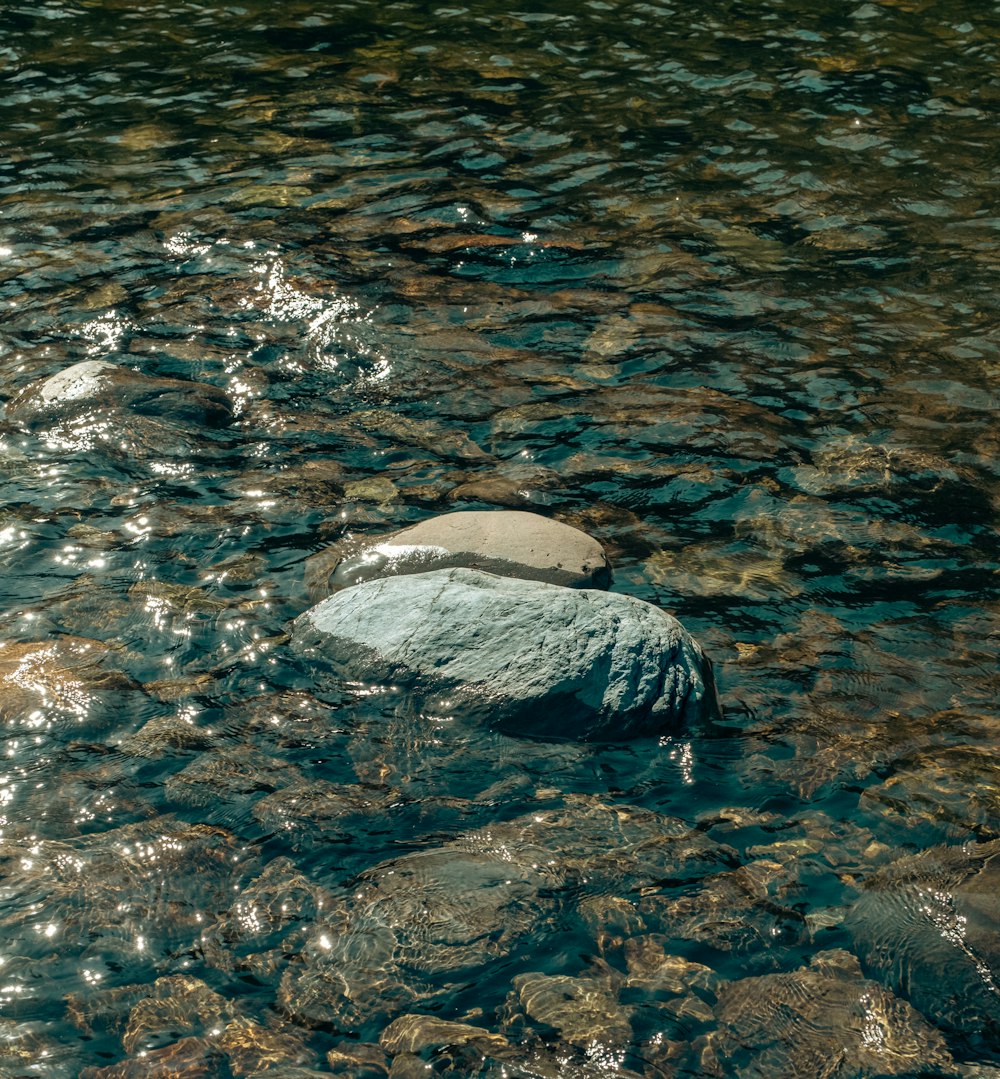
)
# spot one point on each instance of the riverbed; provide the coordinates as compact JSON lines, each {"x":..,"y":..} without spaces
{"x":716,"y":285}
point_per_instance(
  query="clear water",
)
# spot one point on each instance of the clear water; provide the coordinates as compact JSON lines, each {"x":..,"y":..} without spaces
{"x":716,"y":284}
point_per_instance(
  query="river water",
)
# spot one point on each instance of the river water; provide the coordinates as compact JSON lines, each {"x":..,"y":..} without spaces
{"x":717,"y":284}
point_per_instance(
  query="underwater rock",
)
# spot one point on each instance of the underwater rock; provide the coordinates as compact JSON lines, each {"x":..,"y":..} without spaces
{"x":177,"y":1004}
{"x":510,"y":543}
{"x":501,"y":490}
{"x":822,"y":1020}
{"x":617,"y":849}
{"x":170,"y":871}
{"x":929,"y":926}
{"x":206,"y":1034}
{"x":654,"y":970}
{"x":264,"y":916}
{"x":583,"y":1010}
{"x":410,"y":929}
{"x":226,"y":776}
{"x":749,"y":910}
{"x":253,"y":1049}
{"x":358,"y":1060}
{"x":524,"y":656}
{"x":188,"y":1057}
{"x":69,"y":682}
{"x":415,"y":1033}
{"x":98,"y":385}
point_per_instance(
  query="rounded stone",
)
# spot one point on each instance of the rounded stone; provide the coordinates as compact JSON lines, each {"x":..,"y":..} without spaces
{"x":510,"y":543}
{"x":928,"y":925}
{"x":98,"y":384}
{"x":525,"y":657}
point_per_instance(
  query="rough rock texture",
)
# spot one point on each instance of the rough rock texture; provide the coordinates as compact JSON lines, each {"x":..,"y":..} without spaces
{"x":511,"y":543}
{"x":415,"y":1033}
{"x":524,"y":656}
{"x":97,"y":384}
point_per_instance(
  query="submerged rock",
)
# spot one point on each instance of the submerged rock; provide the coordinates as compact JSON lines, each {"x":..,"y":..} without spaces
{"x":510,"y":543}
{"x":822,"y":1020}
{"x":524,"y":656}
{"x":583,"y":1010}
{"x":929,"y":926}
{"x":414,"y":1033}
{"x":68,"y":682}
{"x":412,"y":929}
{"x":128,"y":899}
{"x":98,"y":385}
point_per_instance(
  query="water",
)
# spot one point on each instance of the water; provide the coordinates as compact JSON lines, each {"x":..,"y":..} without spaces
{"x":717,"y":286}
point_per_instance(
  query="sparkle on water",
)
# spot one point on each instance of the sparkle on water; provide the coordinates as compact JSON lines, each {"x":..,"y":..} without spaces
{"x":717,"y":285}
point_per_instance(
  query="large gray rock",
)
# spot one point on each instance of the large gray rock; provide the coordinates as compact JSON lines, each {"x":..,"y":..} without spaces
{"x":511,"y":543}
{"x":524,"y":656}
{"x":100,"y":385}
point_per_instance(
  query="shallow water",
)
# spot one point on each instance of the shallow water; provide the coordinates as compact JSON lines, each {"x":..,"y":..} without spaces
{"x":718,"y":286}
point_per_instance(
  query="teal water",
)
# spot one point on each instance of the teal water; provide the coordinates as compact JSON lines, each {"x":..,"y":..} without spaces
{"x":718,"y":286}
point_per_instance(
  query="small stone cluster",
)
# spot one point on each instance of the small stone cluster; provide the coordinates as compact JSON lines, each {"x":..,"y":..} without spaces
{"x":500,"y":616}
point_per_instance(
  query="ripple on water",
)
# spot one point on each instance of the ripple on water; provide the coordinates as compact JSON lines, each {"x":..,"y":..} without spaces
{"x":718,"y":290}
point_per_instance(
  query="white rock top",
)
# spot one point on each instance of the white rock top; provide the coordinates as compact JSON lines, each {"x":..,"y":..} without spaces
{"x":72,"y":383}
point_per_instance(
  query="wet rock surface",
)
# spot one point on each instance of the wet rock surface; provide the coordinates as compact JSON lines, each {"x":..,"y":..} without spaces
{"x":97,"y":386}
{"x":510,"y":543}
{"x":929,"y":926}
{"x":784,"y":1024}
{"x":523,"y":656}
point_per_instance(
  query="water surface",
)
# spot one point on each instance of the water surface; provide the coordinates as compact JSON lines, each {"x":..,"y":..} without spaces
{"x":717,"y":285}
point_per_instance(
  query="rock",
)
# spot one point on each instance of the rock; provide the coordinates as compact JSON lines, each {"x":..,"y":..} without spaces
{"x":99,"y":386}
{"x":23,"y":1044}
{"x":653,"y":970}
{"x":929,"y":926}
{"x":613,"y":848}
{"x":68,"y":682}
{"x":186,"y":1057}
{"x":820,"y":1020}
{"x":499,"y":490}
{"x":749,"y":910}
{"x":264,"y":915}
{"x":415,"y":1033}
{"x":178,"y":1004}
{"x":511,"y":543}
{"x":411,"y":929}
{"x":582,"y":1010}
{"x":170,"y":871}
{"x":254,"y":1049}
{"x":226,"y":776}
{"x":374,"y":489}
{"x":359,"y":1060}
{"x":526,"y":657}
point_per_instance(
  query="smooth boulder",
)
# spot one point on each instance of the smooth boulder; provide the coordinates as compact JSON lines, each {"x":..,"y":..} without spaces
{"x":525,"y":657}
{"x":928,"y":925}
{"x":97,"y":385}
{"x":510,"y":543}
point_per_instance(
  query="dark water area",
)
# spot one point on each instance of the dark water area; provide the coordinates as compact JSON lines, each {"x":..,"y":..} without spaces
{"x":717,"y":284}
